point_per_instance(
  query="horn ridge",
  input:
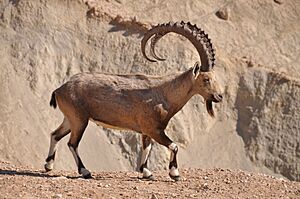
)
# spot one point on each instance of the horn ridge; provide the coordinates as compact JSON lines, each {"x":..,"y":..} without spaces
{"x":206,"y":40}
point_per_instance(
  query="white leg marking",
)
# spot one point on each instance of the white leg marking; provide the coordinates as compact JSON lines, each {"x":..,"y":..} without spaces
{"x":171,"y":156}
{"x":172,"y":146}
{"x":49,"y":165}
{"x":53,"y":146}
{"x":146,"y":173}
{"x":174,"y":171}
{"x":74,"y":155}
{"x":145,"y":154}
{"x":53,"y":143}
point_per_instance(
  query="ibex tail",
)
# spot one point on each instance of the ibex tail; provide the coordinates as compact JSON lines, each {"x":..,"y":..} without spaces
{"x":53,"y":100}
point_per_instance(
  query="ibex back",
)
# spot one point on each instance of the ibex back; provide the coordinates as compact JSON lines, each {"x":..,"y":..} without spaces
{"x":144,"y":104}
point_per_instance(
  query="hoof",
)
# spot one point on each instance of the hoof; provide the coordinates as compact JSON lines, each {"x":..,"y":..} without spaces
{"x":149,"y":178}
{"x":87,"y":176}
{"x":176,"y":178}
{"x":85,"y":173}
{"x":47,"y":168}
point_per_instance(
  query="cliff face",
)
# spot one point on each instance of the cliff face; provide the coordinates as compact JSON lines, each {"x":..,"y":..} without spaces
{"x":268,"y":120}
{"x":257,"y":128}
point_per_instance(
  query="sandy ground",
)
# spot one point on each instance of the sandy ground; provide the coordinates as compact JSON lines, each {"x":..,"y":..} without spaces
{"x":22,"y":182}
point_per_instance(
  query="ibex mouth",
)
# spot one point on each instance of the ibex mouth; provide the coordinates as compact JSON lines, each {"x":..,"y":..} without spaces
{"x":209,"y":107}
{"x":216,"y":98}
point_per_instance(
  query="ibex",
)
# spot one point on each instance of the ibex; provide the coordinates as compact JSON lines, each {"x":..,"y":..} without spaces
{"x":144,"y":104}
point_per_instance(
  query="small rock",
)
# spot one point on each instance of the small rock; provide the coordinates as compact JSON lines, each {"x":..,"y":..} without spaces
{"x":250,"y":64}
{"x":223,"y":13}
{"x":278,"y":1}
{"x":205,"y":186}
{"x":58,"y":195}
{"x":154,"y":196}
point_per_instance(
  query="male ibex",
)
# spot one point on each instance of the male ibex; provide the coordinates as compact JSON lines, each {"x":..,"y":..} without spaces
{"x":144,"y":104}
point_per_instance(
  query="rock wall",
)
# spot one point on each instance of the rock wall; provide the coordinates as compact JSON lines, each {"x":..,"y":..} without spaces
{"x":268,"y":120}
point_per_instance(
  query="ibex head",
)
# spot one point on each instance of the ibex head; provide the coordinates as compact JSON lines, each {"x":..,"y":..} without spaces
{"x":205,"y":82}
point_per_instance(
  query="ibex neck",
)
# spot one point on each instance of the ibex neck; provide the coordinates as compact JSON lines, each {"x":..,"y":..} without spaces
{"x":178,"y":91}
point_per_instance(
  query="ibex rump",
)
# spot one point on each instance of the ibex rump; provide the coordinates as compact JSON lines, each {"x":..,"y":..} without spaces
{"x":144,"y":104}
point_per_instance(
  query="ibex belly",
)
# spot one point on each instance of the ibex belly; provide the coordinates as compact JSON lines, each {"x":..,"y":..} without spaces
{"x":99,"y":123}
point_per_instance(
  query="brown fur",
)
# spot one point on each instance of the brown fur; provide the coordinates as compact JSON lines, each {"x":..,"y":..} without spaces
{"x":136,"y":102}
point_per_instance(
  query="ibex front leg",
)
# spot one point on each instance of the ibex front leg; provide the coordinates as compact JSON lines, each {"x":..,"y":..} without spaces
{"x":163,"y":139}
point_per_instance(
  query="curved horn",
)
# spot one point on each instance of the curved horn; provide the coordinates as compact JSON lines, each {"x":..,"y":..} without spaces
{"x":194,"y":34}
{"x":154,"y":40}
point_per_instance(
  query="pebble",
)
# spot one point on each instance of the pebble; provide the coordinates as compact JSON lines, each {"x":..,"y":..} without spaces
{"x":223,"y":13}
{"x":250,"y":64}
{"x":278,"y":1}
{"x":205,"y":186}
{"x":58,"y":195}
{"x":154,"y":196}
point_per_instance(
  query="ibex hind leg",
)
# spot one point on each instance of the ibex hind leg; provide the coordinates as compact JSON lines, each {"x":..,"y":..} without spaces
{"x":56,"y":136}
{"x":77,"y":130}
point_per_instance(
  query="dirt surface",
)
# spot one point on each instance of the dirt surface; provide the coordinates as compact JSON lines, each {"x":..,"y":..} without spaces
{"x":22,"y":182}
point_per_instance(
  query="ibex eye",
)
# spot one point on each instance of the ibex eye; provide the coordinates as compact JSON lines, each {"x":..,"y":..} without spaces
{"x":206,"y":81}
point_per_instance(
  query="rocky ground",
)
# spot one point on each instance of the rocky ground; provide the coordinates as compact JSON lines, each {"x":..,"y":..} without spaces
{"x":24,"y":182}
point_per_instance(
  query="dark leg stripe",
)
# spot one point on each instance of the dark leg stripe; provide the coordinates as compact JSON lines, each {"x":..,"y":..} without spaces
{"x":80,"y":164}
{"x":173,"y":163}
{"x":51,"y":157}
{"x":59,"y":137}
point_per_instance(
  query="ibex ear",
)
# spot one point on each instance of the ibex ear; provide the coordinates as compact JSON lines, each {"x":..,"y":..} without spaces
{"x":196,"y":70}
